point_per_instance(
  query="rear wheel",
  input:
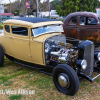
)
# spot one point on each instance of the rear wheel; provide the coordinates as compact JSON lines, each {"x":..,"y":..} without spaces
{"x":1,"y":56}
{"x":65,"y":79}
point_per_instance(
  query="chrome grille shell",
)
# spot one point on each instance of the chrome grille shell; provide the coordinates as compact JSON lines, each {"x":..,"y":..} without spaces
{"x":86,"y":51}
{"x":89,"y":57}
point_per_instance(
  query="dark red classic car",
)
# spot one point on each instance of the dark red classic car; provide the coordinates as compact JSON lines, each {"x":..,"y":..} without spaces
{"x":83,"y":26}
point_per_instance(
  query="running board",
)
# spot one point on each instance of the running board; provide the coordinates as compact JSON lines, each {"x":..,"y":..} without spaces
{"x":40,"y":69}
{"x":27,"y":65}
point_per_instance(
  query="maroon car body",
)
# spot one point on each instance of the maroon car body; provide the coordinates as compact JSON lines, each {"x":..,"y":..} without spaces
{"x":83,"y":26}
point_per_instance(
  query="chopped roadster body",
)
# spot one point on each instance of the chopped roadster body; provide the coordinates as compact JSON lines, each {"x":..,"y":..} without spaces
{"x":39,"y":41}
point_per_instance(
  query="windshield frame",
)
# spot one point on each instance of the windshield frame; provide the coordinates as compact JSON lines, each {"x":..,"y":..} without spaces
{"x":55,"y":25}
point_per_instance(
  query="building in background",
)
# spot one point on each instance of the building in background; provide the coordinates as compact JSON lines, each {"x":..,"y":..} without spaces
{"x":6,"y":16}
{"x":53,"y":13}
{"x":44,"y":14}
{"x":2,"y":8}
{"x":98,"y":10}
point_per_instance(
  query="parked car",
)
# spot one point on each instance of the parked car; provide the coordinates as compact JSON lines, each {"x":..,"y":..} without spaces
{"x":39,"y":41}
{"x":83,"y":26}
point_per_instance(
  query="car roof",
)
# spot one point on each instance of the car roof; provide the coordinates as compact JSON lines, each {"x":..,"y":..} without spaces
{"x":36,"y":20}
{"x":89,"y":14}
{"x":84,"y":13}
{"x":32,"y":22}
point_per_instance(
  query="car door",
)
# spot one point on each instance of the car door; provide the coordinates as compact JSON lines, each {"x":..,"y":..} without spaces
{"x":37,"y":48}
{"x":20,"y":43}
{"x":88,"y":29}
{"x":70,"y":27}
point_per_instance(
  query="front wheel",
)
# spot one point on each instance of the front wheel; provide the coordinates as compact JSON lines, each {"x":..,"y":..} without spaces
{"x":66,"y":79}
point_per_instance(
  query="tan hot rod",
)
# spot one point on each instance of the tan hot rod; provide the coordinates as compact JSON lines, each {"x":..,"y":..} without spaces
{"x":39,"y":41}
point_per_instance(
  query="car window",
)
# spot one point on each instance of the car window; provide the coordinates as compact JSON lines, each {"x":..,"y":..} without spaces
{"x":92,"y":21}
{"x":46,"y":29}
{"x":73,"y":20}
{"x":7,"y":28}
{"x":20,"y":30}
{"x":87,"y":21}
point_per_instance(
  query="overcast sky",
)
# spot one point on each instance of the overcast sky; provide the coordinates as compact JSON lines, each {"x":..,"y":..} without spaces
{"x":7,"y":1}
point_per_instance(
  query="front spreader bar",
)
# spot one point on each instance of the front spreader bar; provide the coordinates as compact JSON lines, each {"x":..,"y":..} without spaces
{"x":88,"y":77}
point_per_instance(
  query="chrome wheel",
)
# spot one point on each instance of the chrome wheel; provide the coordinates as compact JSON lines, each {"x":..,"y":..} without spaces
{"x":63,"y":80}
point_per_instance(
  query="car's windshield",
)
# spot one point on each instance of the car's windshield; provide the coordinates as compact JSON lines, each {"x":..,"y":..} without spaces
{"x":46,"y":29}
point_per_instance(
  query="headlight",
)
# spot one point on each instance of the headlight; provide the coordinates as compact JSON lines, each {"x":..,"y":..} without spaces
{"x":98,"y":56}
{"x":83,"y":64}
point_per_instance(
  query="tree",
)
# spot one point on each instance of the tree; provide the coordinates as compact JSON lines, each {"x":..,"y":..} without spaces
{"x":23,"y":11}
{"x":88,"y":5}
{"x":20,"y":7}
{"x":54,"y":3}
{"x":69,"y":6}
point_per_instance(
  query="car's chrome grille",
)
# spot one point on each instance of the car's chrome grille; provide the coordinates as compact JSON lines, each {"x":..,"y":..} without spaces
{"x":89,"y":56}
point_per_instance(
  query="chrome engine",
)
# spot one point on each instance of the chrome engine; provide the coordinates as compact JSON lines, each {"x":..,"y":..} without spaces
{"x":65,"y":55}
{"x":60,"y":52}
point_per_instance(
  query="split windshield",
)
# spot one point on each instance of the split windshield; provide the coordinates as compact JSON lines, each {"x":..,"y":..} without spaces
{"x":46,"y":29}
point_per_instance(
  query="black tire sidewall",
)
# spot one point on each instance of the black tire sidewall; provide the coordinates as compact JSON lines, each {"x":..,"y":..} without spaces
{"x":1,"y":56}
{"x":74,"y":81}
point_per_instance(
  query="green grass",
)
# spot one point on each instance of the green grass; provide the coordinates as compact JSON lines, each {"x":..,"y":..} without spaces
{"x":5,"y":78}
{"x":8,"y":83}
{"x":14,"y":76}
{"x":97,"y":80}
{"x":15,"y":97}
{"x":41,"y":82}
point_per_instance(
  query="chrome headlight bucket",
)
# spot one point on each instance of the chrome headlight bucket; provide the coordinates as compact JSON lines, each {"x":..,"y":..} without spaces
{"x":82,"y":64}
{"x":98,"y":56}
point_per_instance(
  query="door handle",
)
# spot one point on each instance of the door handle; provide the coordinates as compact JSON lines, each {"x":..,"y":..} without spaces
{"x":10,"y":37}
